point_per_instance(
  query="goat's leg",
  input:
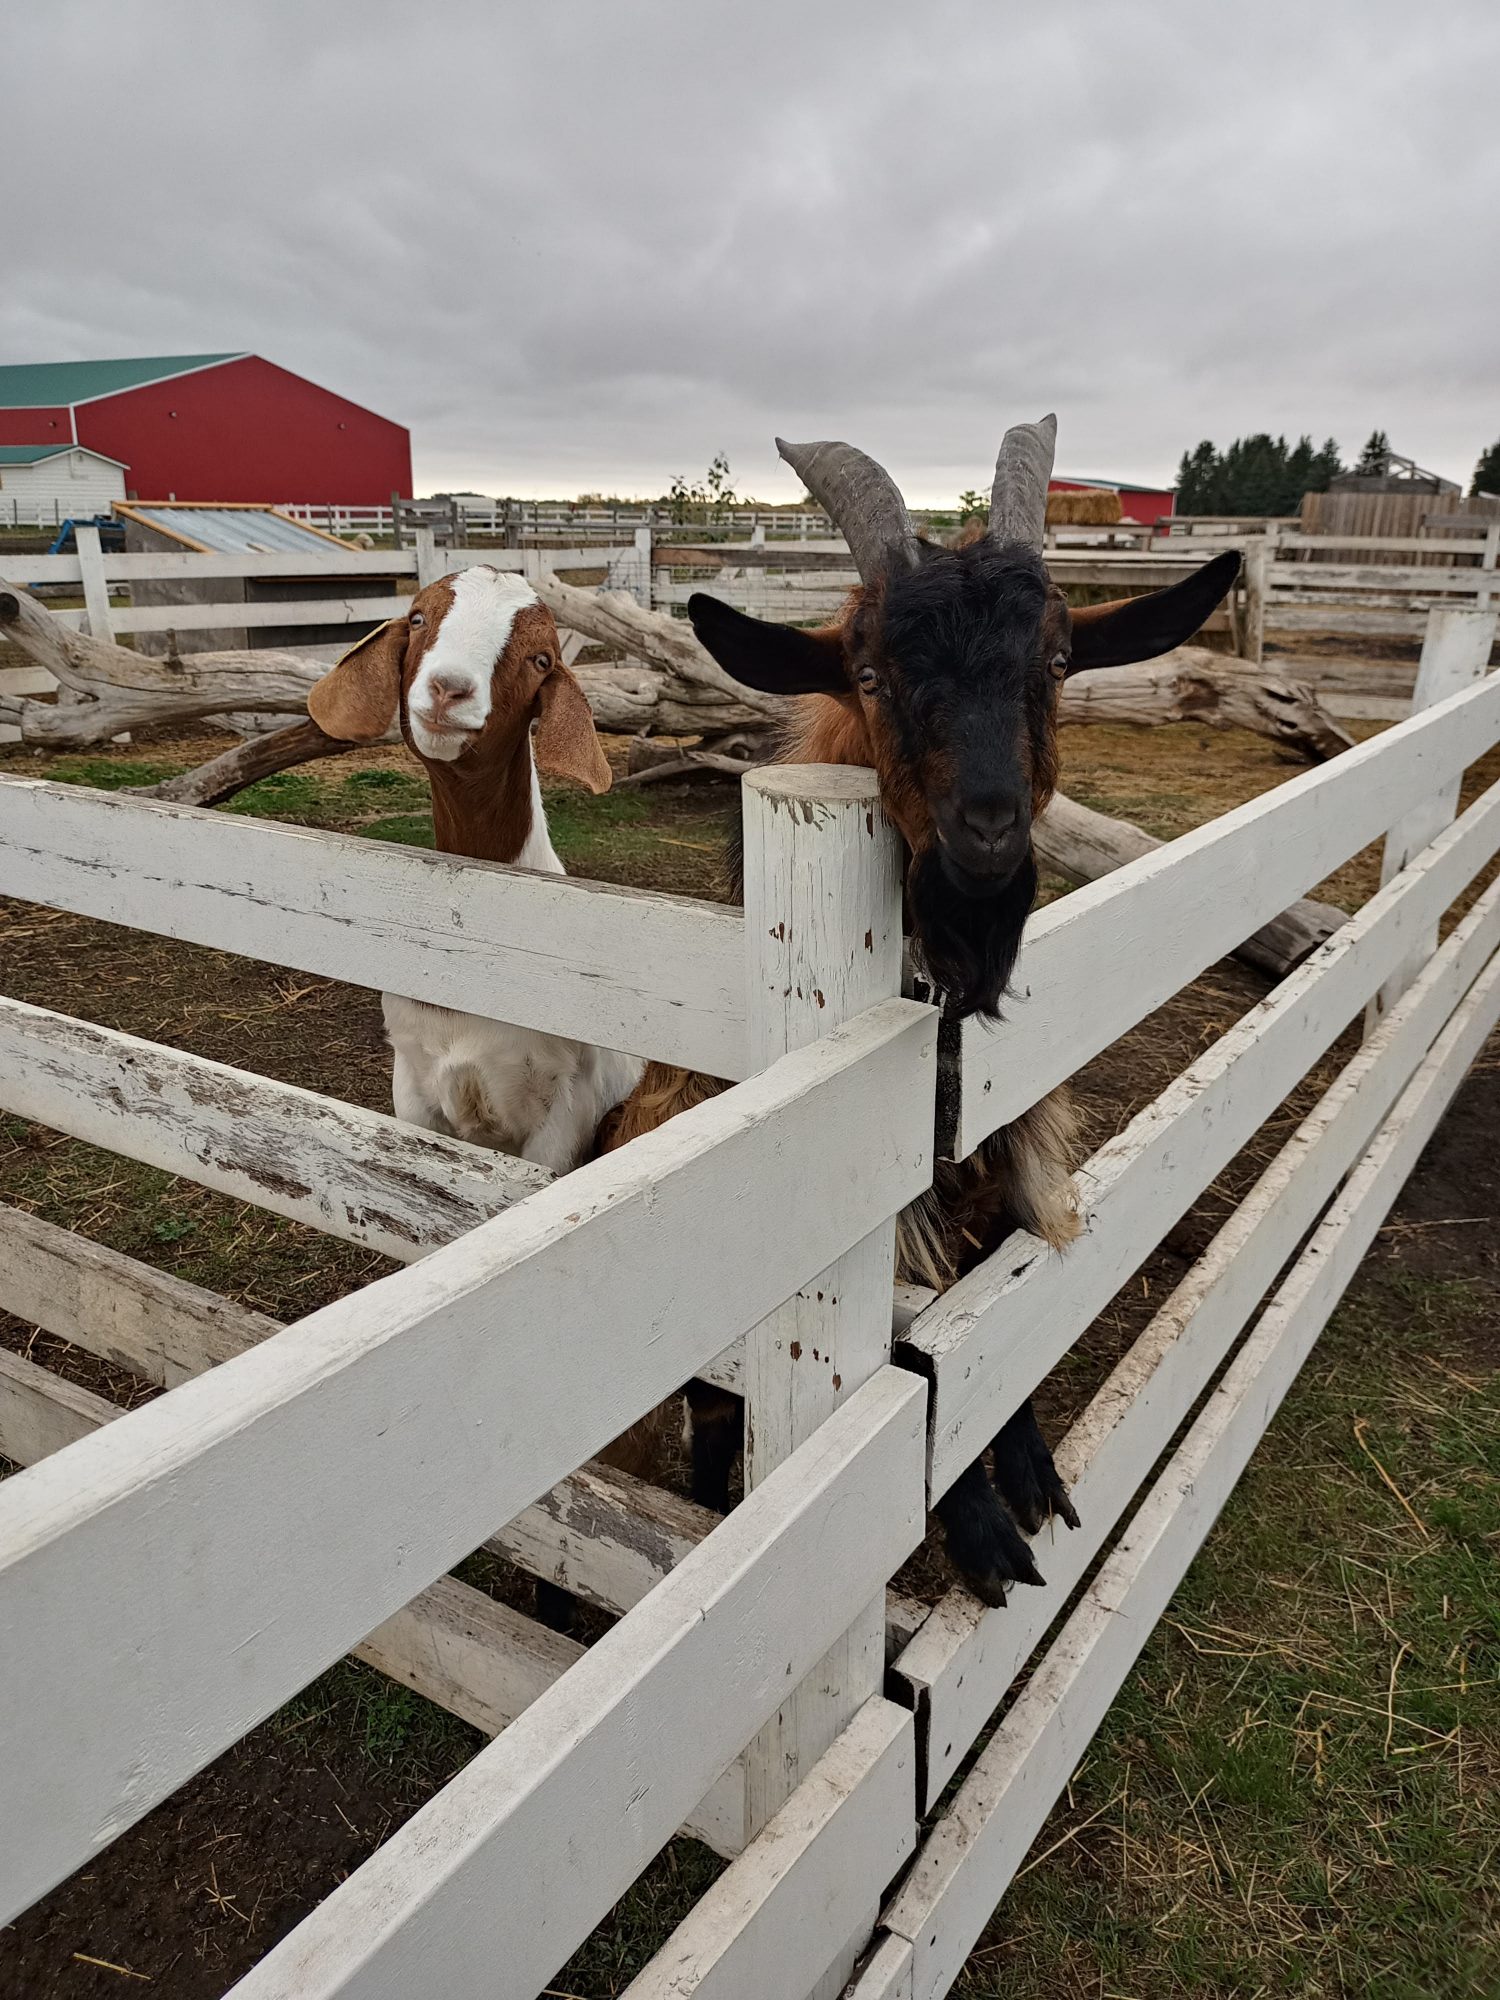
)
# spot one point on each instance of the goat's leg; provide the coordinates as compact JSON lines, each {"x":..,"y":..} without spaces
{"x":716,"y":1428}
{"x":987,"y":1548}
{"x":1026,"y":1475}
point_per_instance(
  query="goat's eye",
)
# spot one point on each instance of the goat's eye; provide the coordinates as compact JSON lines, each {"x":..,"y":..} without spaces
{"x":869,"y":680}
{"x":417,"y":620}
{"x":542,"y":662}
{"x":1060,"y":662}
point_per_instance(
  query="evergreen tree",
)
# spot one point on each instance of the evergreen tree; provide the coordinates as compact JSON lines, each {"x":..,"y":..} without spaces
{"x":1487,"y":471}
{"x":1326,"y":466}
{"x":1372,"y":459}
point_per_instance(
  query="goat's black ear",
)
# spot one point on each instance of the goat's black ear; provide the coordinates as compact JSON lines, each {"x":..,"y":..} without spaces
{"x":1138,"y":628}
{"x":777,"y":659}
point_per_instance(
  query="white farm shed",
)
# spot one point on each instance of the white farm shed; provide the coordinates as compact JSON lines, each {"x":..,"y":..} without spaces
{"x":43,"y":484}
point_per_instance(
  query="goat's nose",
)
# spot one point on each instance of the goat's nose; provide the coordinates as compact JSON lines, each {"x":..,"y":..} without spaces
{"x":988,"y":820}
{"x":445,"y":689}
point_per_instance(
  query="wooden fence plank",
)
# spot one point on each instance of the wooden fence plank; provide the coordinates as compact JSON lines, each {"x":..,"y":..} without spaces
{"x":357,"y":1174}
{"x":160,"y":1327}
{"x":406,"y":1422}
{"x":1455,"y":651}
{"x":962,"y":1658}
{"x":993,"y":1335}
{"x":975,"y":1849}
{"x":40,"y":1413}
{"x":258,"y":617}
{"x":651,"y":974}
{"x":776,"y":1917}
{"x":1156,"y":923}
{"x":487,"y":1888}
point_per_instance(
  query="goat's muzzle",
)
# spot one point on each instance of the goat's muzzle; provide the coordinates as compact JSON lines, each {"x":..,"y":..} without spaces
{"x":982,"y":842}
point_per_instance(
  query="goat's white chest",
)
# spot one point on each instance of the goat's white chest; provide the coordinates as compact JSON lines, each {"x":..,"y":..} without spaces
{"x":516,"y":1090}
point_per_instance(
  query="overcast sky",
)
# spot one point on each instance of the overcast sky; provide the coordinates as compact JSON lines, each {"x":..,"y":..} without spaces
{"x":586,"y":246}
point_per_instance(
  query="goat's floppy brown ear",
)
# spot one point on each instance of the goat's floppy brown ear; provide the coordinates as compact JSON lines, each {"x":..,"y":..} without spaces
{"x":777,"y":659}
{"x":1138,"y":628}
{"x":565,"y":741}
{"x":357,"y":699}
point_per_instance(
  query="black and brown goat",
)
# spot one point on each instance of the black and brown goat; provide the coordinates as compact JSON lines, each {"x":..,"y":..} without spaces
{"x":942,"y":675}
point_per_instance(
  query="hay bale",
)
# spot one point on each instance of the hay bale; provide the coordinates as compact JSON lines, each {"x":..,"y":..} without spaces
{"x":1095,"y":508}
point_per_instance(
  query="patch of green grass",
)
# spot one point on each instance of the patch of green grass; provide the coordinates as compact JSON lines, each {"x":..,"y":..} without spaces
{"x":1298,"y":1789}
{"x":413,"y":829}
{"x":392,"y":1726}
{"x":109,"y":774}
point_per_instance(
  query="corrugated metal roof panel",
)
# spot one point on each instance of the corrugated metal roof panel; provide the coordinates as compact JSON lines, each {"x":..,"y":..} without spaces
{"x":34,"y":385}
{"x":235,"y":530}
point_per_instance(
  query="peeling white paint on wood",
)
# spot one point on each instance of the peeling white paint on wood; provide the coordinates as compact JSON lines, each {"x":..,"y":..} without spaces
{"x":654,"y":975}
{"x":357,"y":1174}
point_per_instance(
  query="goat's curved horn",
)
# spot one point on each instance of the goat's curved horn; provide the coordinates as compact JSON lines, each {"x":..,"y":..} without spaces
{"x":1018,"y":499}
{"x":861,"y":499}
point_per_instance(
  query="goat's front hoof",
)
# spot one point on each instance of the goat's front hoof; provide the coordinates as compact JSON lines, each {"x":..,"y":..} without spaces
{"x":986,"y":1547}
{"x":1027,"y":1477}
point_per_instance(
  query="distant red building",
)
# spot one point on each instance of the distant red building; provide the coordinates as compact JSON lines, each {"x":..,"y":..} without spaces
{"x":210,"y":427}
{"x":1137,"y":503}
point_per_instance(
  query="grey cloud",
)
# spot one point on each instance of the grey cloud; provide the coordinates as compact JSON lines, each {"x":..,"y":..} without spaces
{"x":590,"y":245}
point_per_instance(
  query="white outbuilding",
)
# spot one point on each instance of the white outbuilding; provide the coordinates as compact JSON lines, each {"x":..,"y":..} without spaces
{"x":42,"y":485}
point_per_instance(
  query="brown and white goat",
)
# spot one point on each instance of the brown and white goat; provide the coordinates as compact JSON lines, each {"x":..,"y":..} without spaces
{"x":469,"y":670}
{"x":942,"y":675}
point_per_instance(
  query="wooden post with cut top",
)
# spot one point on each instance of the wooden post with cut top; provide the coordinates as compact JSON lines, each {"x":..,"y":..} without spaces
{"x":822,"y":942}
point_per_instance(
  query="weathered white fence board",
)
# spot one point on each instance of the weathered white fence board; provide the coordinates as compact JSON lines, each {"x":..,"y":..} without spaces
{"x":40,"y":1413}
{"x":652,"y":974}
{"x":765,"y":1926}
{"x":407,"y":1422}
{"x":161,"y":1327}
{"x":976,"y":1847}
{"x":1157,"y":922}
{"x":1455,"y":652}
{"x":992,"y":1337}
{"x":256,"y":617}
{"x":487,"y":1888}
{"x":480,"y":1660}
{"x":358,"y":1174}
{"x":963,"y":1657}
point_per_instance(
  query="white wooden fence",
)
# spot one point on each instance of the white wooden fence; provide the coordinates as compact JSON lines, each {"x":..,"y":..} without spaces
{"x":169,"y":1576}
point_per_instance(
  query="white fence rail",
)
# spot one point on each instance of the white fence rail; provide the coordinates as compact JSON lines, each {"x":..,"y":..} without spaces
{"x":742,"y":1692}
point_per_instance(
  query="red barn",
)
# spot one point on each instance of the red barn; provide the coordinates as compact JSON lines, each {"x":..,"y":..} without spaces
{"x":1137,"y":503}
{"x":210,"y":427}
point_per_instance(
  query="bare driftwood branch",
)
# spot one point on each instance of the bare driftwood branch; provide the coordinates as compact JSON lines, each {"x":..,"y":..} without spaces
{"x":1192,"y":684}
{"x":257,"y":757}
{"x":1075,"y":841}
{"x":120,"y":690}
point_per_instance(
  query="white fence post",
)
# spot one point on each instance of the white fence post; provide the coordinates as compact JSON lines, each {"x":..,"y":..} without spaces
{"x":1455,"y":652}
{"x":95,"y":588}
{"x":1258,"y":553}
{"x":822,"y":942}
{"x":429,"y":564}
{"x":643,"y":567}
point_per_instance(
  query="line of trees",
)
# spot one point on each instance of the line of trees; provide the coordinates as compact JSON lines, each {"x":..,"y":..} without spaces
{"x":1258,"y":475}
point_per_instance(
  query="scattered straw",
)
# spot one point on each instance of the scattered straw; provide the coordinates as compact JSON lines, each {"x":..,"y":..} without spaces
{"x":108,"y":1965}
{"x":1361,"y":1425}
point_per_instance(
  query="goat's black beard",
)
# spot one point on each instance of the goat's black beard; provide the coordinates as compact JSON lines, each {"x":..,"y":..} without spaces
{"x":968,"y":943}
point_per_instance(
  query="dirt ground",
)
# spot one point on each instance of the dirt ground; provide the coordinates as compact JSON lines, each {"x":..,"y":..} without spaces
{"x":190,"y":1898}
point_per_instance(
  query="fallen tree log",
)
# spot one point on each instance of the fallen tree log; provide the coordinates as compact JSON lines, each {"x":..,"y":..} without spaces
{"x":1192,"y":684}
{"x":1075,"y":841}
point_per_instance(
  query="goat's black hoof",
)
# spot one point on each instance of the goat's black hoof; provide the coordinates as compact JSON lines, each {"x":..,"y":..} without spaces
{"x":985,"y":1545}
{"x":1027,"y":1477}
{"x":556,"y":1608}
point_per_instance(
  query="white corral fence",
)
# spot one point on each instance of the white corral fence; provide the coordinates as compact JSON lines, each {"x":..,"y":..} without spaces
{"x":170,"y":1576}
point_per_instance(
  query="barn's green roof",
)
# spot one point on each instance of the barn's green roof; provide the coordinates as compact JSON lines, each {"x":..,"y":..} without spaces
{"x":35,"y":385}
{"x":33,"y":454}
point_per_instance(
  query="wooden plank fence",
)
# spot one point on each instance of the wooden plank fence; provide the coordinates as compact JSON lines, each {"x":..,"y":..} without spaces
{"x":743,"y":1693}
